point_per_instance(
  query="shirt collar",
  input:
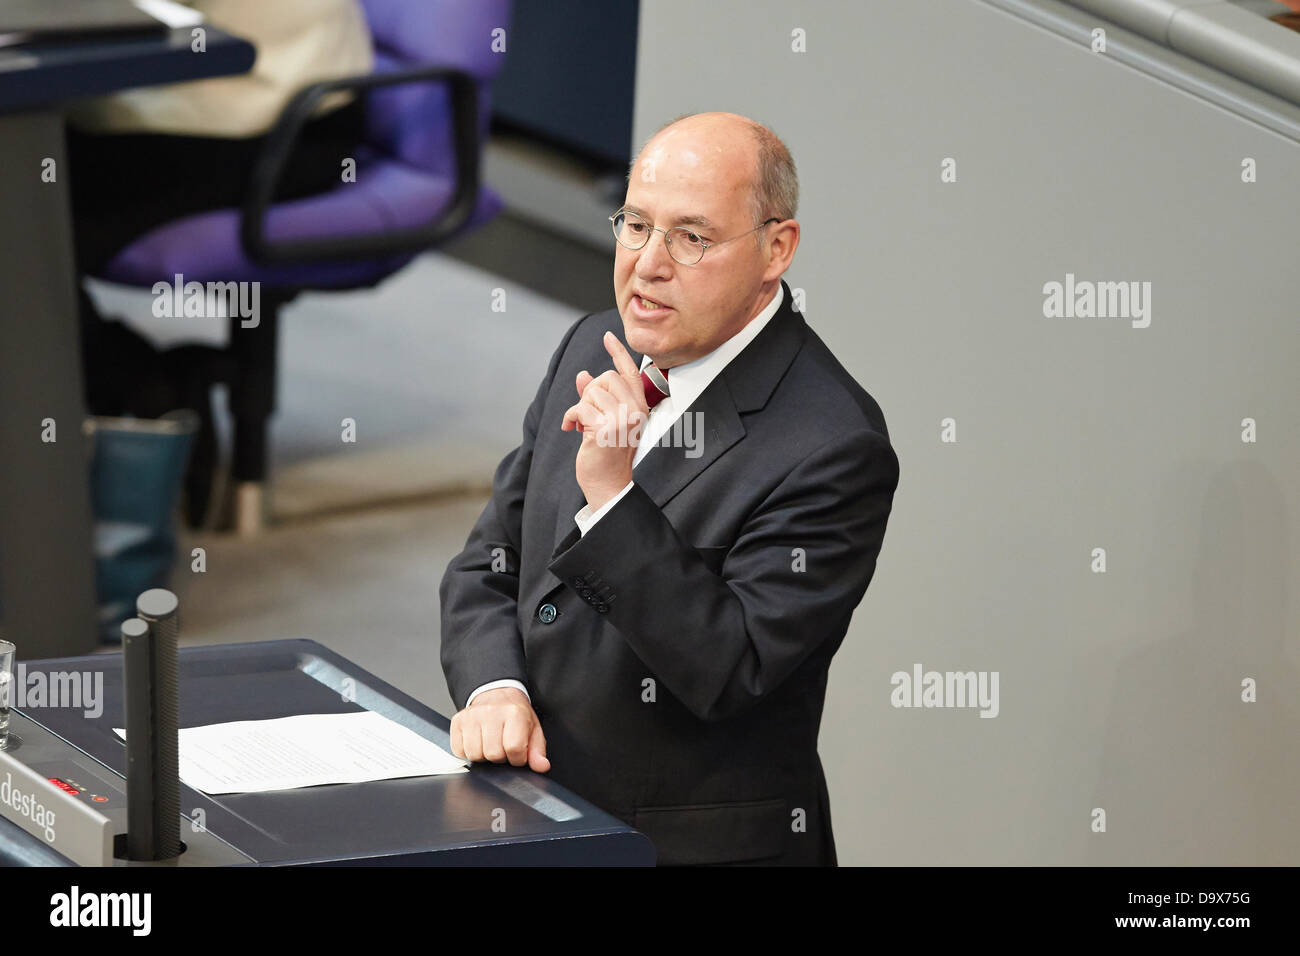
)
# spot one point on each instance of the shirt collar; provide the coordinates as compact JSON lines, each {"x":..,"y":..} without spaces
{"x":686,"y":382}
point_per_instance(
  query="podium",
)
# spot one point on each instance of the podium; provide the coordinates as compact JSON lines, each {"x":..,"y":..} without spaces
{"x":492,"y":815}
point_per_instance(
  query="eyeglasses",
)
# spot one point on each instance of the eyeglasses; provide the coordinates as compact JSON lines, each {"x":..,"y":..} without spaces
{"x":686,"y":247}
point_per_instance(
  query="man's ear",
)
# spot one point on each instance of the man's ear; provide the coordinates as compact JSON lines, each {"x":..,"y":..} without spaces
{"x":783,"y":240}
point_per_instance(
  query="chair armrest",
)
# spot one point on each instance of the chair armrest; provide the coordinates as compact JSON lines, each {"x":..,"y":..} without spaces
{"x":279,"y":143}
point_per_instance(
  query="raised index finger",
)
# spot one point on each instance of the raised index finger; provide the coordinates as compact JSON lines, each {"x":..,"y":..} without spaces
{"x":622,"y":361}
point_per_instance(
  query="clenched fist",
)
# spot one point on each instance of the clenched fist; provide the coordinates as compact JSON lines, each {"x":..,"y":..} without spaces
{"x":500,"y":725}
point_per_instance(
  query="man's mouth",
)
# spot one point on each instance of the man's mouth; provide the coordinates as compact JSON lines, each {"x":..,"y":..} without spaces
{"x":650,"y":305}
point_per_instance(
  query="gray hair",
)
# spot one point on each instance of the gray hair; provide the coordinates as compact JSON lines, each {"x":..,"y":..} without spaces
{"x":775,"y":191}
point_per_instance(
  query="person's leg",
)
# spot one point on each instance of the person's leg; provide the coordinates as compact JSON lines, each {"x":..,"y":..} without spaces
{"x":315,"y":165}
{"x":123,"y":186}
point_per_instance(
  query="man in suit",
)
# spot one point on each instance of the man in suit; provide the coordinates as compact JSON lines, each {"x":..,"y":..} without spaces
{"x":672,"y":554}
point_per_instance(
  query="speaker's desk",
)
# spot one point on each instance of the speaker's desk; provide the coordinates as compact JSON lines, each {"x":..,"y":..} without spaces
{"x":494,"y":814}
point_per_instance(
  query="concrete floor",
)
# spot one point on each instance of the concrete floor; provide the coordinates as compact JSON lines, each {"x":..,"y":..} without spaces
{"x":364,"y":585}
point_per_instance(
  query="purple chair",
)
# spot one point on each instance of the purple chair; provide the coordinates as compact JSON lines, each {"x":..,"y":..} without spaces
{"x":417,"y":184}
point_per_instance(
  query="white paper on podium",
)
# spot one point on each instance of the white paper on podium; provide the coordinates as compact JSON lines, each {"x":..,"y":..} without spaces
{"x":310,"y":750}
{"x":172,"y":14}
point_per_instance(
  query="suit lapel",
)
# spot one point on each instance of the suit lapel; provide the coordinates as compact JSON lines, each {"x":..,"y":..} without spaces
{"x":666,"y":470}
{"x":743,"y":386}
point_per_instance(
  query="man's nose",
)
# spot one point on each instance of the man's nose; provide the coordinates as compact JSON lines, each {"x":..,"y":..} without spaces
{"x":653,"y":259}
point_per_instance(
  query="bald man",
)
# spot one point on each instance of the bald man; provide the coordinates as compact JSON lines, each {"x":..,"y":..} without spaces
{"x":648,"y":605}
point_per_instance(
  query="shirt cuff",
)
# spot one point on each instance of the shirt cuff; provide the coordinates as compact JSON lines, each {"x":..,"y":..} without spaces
{"x":586,"y":520}
{"x":493,"y":685}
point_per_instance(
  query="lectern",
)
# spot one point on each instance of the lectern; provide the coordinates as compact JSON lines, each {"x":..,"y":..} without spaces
{"x":68,"y":771}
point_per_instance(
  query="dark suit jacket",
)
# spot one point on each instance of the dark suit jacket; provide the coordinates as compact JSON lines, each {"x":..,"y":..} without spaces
{"x":681,"y":677}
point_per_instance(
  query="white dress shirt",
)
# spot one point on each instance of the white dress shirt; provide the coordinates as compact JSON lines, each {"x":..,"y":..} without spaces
{"x":685,"y":384}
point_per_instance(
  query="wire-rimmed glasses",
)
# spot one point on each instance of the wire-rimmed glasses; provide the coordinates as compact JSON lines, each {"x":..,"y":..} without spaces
{"x":686,"y":247}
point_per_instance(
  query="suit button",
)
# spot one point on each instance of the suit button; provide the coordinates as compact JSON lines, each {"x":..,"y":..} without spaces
{"x":546,"y":613}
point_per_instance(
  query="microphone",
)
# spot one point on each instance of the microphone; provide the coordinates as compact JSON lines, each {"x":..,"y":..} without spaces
{"x":150,"y":688}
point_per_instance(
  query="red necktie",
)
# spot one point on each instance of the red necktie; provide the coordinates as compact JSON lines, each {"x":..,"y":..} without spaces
{"x":653,"y":393}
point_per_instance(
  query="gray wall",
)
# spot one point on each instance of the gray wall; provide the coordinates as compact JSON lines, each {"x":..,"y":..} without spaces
{"x":1120,"y":690}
